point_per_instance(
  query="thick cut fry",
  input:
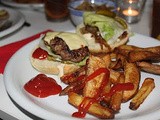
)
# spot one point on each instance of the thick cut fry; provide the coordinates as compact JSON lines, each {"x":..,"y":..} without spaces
{"x":114,"y":76}
{"x":115,"y":65}
{"x":132,"y":75}
{"x":95,"y":109}
{"x":118,"y":62}
{"x":115,"y":102}
{"x":125,"y":49}
{"x":149,"y":67}
{"x":72,"y":77}
{"x":74,"y":87}
{"x":95,"y":62}
{"x":136,"y":56}
{"x":116,"y":99}
{"x":146,"y":88}
{"x":106,"y":89}
{"x":155,"y":49}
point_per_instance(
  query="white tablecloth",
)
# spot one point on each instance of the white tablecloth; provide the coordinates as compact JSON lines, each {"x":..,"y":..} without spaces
{"x":38,"y":24}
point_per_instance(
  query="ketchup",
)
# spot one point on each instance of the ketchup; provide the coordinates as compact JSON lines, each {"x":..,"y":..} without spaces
{"x":40,"y":54}
{"x":87,"y":102}
{"x":42,"y":86}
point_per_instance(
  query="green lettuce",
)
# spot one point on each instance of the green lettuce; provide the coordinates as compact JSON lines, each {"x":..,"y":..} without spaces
{"x":109,"y":29}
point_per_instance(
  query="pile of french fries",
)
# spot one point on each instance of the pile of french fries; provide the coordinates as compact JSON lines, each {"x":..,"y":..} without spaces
{"x":108,"y":80}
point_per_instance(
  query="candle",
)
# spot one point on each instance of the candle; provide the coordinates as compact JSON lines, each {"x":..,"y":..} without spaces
{"x":130,"y":12}
{"x":130,"y":1}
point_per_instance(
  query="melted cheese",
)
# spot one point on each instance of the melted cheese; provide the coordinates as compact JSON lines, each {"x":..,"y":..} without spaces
{"x":73,"y":40}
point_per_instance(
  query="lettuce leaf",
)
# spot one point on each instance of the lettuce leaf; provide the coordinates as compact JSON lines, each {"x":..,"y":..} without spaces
{"x":109,"y":28}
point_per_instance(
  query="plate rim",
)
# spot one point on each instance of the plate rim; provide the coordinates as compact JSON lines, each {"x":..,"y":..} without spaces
{"x":21,"y":5}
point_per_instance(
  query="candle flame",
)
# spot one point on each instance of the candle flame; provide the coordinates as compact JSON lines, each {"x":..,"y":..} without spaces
{"x":130,"y":1}
{"x":129,"y":10}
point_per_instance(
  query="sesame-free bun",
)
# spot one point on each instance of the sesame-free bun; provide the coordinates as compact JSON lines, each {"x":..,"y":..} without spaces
{"x":52,"y":67}
{"x":96,"y":47}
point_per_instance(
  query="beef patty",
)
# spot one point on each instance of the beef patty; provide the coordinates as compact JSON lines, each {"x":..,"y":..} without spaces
{"x":59,"y":47}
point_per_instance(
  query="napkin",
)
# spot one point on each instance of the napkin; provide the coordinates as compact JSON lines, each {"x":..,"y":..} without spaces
{"x":8,"y":50}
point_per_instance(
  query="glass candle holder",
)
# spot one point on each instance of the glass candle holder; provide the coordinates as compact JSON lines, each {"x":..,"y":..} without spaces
{"x":130,"y":10}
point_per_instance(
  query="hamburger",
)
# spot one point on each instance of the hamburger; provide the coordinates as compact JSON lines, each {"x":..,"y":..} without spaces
{"x":60,"y":53}
{"x":103,"y":33}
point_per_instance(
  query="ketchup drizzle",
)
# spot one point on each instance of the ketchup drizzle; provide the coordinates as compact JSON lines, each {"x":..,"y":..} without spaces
{"x":86,"y":103}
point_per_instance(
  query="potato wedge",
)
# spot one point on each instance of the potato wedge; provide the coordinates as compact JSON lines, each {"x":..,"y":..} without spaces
{"x":95,"y":109}
{"x":135,"y":56}
{"x":132,"y":75}
{"x":125,"y":49}
{"x":155,"y":49}
{"x":94,"y":63}
{"x":138,"y":54}
{"x":149,"y":67}
{"x":72,"y":77}
{"x":146,"y":88}
{"x":74,"y":87}
{"x":116,"y":99}
{"x":114,"y":76}
{"x":106,"y":89}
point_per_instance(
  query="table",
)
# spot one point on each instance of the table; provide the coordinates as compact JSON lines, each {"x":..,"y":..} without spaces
{"x":39,"y":23}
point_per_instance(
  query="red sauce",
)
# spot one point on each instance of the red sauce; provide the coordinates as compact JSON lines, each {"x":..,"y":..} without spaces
{"x":83,"y":108}
{"x":98,"y":72}
{"x":118,"y":87}
{"x":87,"y":102}
{"x":40,"y":54}
{"x":42,"y":86}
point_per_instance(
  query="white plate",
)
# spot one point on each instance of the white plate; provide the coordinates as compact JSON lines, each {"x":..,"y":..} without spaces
{"x":21,"y":5}
{"x":17,"y":20}
{"x":19,"y":70}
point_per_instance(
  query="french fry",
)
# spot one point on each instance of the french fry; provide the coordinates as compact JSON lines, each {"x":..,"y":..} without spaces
{"x":95,"y":62}
{"x":118,"y":63}
{"x":115,"y":65}
{"x":116,"y":99}
{"x":114,"y":76}
{"x":132,"y":75}
{"x":95,"y":109}
{"x":106,"y":89}
{"x":149,"y":67}
{"x":146,"y":88}
{"x":125,"y":49}
{"x":138,"y":54}
{"x":135,"y":56}
{"x":72,"y":77}
{"x":74,"y":87}
{"x":155,"y":49}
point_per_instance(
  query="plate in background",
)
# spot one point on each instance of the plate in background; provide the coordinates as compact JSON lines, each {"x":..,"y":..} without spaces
{"x":22,"y":5}
{"x":16,"y":18}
